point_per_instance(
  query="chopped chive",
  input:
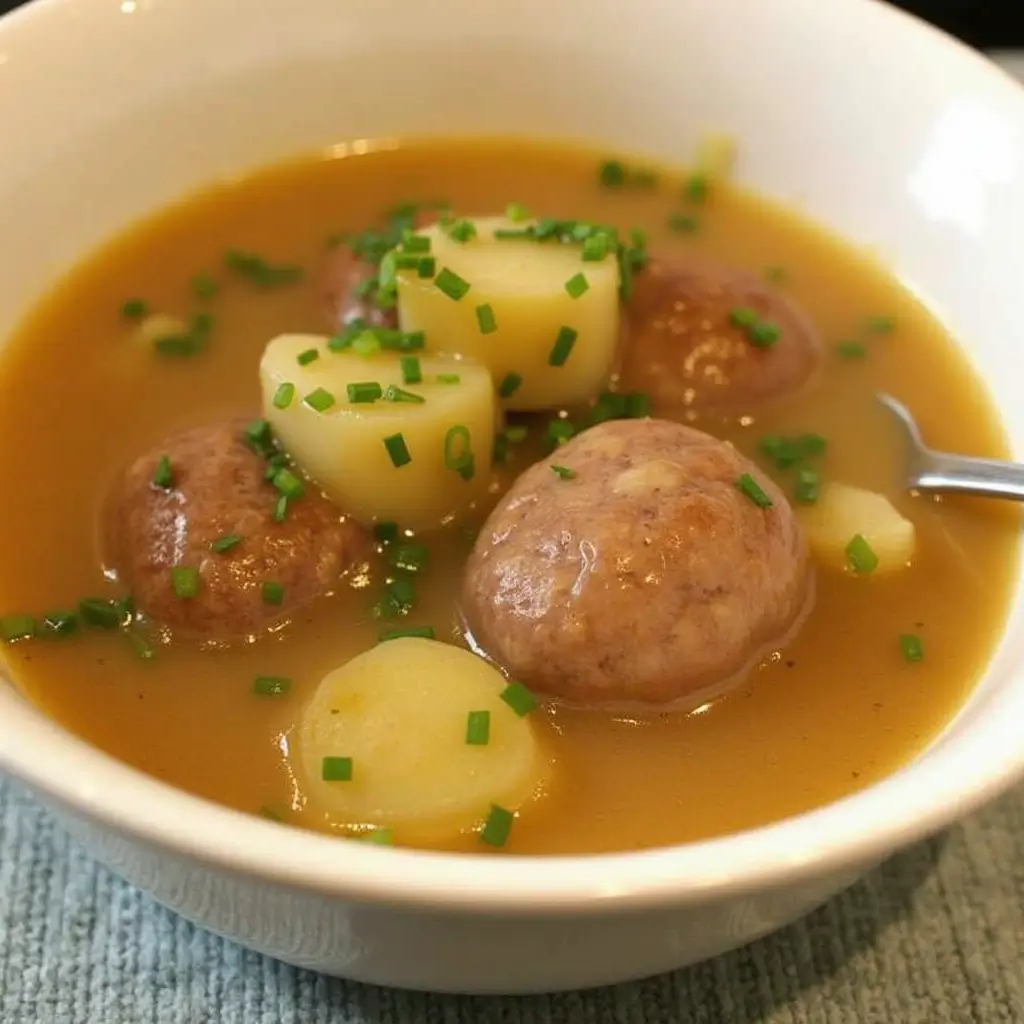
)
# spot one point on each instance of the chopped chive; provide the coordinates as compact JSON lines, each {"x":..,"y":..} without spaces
{"x":478,"y":728}
{"x":407,"y":261}
{"x":559,"y":431}
{"x":366,"y":344}
{"x":743,"y":316}
{"x":271,"y":686}
{"x":517,"y":433}
{"x":577,"y":285}
{"x":140,"y":645}
{"x":204,"y":286}
{"x":135,"y":309}
{"x":378,"y":837}
{"x":562,"y":347}
{"x":412,"y":373}
{"x":399,"y":596}
{"x":763,"y":334}
{"x":283,"y":395}
{"x":519,"y":699}
{"x":514,"y":233}
{"x":638,"y":405}
{"x":458,"y":454}
{"x":753,"y":490}
{"x":696,"y":188}
{"x":595,"y":248}
{"x":880,"y":324}
{"x":451,"y":284}
{"x":260,"y":437}
{"x":225,"y":543}
{"x":60,"y":623}
{"x":272,"y":592}
{"x":462,"y":231}
{"x":612,"y":174}
{"x":336,"y":769}
{"x":516,"y":213}
{"x":426,"y":267}
{"x":411,"y":242}
{"x":288,"y":483}
{"x":563,"y":472}
{"x":418,"y":632}
{"x":397,"y":450}
{"x":364,"y":391}
{"x":861,"y":557}
{"x":682,"y":223}
{"x":179,"y":345}
{"x":509,"y":385}
{"x":807,"y":486}
{"x":397,"y":394}
{"x":280,"y":513}
{"x":485,"y":319}
{"x":258,"y":272}
{"x":911,"y":647}
{"x":17,"y":627}
{"x":851,"y":350}
{"x":385,"y":532}
{"x":499,"y":448}
{"x":163,"y":475}
{"x":103,"y":613}
{"x":497,"y":826}
{"x":811,"y":444}
{"x":310,"y":355}
{"x":185,"y":581}
{"x":409,"y":557}
{"x":320,"y":400}
{"x":448,"y":378}
{"x":610,"y":406}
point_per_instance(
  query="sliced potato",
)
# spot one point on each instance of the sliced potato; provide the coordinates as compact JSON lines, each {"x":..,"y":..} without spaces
{"x":524,"y":286}
{"x":400,"y":713}
{"x":842,"y":513}
{"x":401,"y":461}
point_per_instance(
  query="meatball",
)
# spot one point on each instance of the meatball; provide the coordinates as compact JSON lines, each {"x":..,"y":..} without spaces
{"x":705,"y":336}
{"x":217,"y":492}
{"x":637,"y":564}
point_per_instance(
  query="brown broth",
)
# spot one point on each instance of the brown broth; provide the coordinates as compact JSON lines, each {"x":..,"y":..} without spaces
{"x":835,"y":711}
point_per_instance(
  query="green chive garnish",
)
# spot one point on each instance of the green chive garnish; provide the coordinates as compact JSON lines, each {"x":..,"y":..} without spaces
{"x":134,"y":309}
{"x":485,"y":319}
{"x":163,"y":475}
{"x":497,"y":827}
{"x":260,"y":437}
{"x":103,"y":613}
{"x":320,"y":400}
{"x":397,"y":450}
{"x":60,"y":623}
{"x":385,"y":532}
{"x":682,"y":223}
{"x":563,"y":472}
{"x":396,"y":394}
{"x":280,"y":512}
{"x":458,"y":453}
{"x":516,"y":213}
{"x":807,"y":486}
{"x":559,"y":431}
{"x":409,"y":557}
{"x":462,"y":231}
{"x":225,"y":543}
{"x":17,"y":627}
{"x":638,"y":405}
{"x":595,"y":248}
{"x":696,"y":188}
{"x":258,"y":272}
{"x":612,"y":174}
{"x":411,"y":242}
{"x":861,"y":557}
{"x":519,"y":699}
{"x":310,"y":355}
{"x":283,"y":395}
{"x":911,"y":647}
{"x":880,"y":324}
{"x":399,"y":596}
{"x":336,"y":769}
{"x":272,"y":592}
{"x":448,"y":378}
{"x":288,"y":483}
{"x":366,"y":344}
{"x":426,"y":267}
{"x":753,"y":490}
{"x":411,"y":370}
{"x":185,"y":581}
{"x":271,"y":686}
{"x":509,"y":385}
{"x":204,"y":286}
{"x":364,"y":391}
{"x":743,"y":316}
{"x":577,"y":285}
{"x":517,"y":433}
{"x":451,"y":284}
{"x":420,"y":632}
{"x":763,"y":334}
{"x":478,"y":728}
{"x":851,"y":350}
{"x":562,"y":347}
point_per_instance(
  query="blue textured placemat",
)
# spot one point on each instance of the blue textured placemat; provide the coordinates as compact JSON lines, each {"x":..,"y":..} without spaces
{"x":935,"y":935}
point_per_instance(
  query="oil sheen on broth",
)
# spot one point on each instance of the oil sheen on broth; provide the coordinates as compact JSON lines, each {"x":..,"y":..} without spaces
{"x":845,"y":702}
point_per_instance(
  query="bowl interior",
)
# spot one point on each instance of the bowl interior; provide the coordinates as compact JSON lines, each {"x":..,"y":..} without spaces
{"x":917,"y":153}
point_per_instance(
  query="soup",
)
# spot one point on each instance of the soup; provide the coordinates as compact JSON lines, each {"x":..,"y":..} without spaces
{"x":600,"y":547}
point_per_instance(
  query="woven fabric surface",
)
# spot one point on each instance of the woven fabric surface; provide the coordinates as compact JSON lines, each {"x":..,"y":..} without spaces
{"x":934,"y":935}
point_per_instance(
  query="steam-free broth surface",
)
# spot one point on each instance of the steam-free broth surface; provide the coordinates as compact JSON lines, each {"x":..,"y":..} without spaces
{"x":840,"y":707}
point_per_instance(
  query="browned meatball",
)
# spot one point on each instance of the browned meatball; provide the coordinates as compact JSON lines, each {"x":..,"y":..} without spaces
{"x":706,"y":336}
{"x":218,"y":491}
{"x":632,"y":566}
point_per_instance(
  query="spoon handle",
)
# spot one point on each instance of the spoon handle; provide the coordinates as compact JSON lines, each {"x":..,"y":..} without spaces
{"x":988,"y":478}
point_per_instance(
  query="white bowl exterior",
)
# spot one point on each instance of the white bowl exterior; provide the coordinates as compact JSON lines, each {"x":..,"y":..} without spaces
{"x":895,"y":136}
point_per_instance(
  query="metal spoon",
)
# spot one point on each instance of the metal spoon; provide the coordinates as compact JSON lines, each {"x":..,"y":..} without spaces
{"x":930,"y":471}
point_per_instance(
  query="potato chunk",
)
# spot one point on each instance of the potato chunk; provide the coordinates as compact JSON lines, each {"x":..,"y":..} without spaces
{"x":398,"y":718}
{"x":842,"y":513}
{"x":418,"y":460}
{"x":543,"y":321}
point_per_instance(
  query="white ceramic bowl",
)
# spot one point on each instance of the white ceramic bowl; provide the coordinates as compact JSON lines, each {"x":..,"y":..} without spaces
{"x":878,"y":126}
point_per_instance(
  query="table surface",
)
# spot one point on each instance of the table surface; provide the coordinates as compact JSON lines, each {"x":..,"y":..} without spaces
{"x":934,"y":935}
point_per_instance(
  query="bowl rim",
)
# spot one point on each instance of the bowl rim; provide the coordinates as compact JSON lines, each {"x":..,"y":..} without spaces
{"x":959,"y":776}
